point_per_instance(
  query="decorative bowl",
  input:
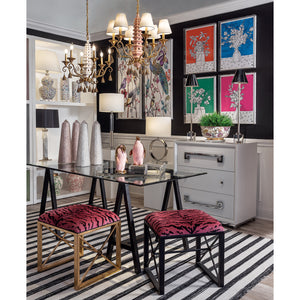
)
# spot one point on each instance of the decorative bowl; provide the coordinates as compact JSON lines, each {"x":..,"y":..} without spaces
{"x":217,"y":133}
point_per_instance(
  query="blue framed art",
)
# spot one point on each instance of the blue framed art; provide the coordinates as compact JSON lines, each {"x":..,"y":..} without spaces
{"x":238,"y":43}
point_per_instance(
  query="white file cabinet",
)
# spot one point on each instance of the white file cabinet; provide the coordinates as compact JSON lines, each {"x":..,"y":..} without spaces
{"x":228,"y":190}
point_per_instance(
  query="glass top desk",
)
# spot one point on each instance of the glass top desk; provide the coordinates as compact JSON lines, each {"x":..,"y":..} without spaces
{"x":106,"y":172}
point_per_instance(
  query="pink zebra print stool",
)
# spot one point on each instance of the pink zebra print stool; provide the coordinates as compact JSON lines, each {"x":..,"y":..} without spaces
{"x":77,"y":221}
{"x":184,"y":223}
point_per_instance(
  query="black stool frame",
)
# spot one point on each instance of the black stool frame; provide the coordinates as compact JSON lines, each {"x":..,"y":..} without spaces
{"x":159,"y":282}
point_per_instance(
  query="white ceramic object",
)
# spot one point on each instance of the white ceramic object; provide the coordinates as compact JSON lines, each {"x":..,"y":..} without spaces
{"x":75,"y":138}
{"x":96,"y":145}
{"x":83,"y":153}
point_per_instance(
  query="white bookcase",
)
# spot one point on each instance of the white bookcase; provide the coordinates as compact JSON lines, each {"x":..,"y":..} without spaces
{"x":67,"y":110}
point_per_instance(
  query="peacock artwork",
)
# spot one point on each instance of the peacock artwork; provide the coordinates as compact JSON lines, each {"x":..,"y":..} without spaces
{"x":158,"y":84}
{"x":130,"y":85}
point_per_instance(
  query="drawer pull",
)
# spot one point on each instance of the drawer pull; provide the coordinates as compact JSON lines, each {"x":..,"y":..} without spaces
{"x":187,"y":155}
{"x":219,"y":204}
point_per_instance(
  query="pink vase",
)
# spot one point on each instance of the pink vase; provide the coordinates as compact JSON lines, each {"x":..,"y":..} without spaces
{"x":75,"y":182}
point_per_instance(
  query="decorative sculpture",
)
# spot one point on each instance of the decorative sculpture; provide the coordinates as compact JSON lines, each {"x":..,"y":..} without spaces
{"x":83,"y":153}
{"x":96,"y":145}
{"x":75,"y":138}
{"x":121,"y":159}
{"x":138,"y":152}
{"x":65,"y":155}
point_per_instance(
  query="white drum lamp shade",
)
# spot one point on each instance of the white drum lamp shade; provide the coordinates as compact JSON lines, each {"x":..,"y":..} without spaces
{"x":158,"y":126}
{"x":146,"y":22}
{"x":110,"y":102}
{"x":47,"y":61}
{"x":110,"y":28}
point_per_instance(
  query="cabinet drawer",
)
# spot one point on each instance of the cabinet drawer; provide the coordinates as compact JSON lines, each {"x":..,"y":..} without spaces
{"x":218,"y":205}
{"x":214,"y":181}
{"x":217,"y":158}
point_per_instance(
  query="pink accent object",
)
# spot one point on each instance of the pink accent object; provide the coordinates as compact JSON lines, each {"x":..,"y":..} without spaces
{"x":75,"y":182}
{"x":65,"y":153}
{"x":79,"y":217}
{"x":75,"y":138}
{"x":137,"y":40}
{"x":182,"y":222}
{"x":121,"y":159}
{"x":138,"y":152}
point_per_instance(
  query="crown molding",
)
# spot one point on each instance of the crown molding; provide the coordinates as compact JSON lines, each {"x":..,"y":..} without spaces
{"x":173,"y":19}
{"x":55,"y":30}
{"x":214,"y":10}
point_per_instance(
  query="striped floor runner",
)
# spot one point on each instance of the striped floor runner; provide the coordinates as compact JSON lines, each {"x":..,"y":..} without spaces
{"x":248,"y":259}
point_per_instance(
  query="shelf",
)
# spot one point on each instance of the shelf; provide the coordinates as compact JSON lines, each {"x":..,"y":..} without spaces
{"x":62,"y":103}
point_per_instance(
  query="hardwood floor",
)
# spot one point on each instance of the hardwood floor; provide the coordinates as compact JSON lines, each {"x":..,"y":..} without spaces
{"x":264,"y":228}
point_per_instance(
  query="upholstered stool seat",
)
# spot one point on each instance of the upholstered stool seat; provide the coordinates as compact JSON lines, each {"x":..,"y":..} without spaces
{"x":79,"y":220}
{"x":184,"y":224}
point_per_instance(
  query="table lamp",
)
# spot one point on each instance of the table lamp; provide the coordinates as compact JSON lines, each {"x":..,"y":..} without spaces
{"x":158,"y":127}
{"x":47,"y":61}
{"x":46,"y":118}
{"x":112,"y":103}
{"x":191,"y":81}
{"x":239,"y":78}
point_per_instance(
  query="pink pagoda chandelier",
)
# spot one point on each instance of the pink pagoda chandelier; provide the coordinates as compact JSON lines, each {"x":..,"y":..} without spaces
{"x":141,"y":46}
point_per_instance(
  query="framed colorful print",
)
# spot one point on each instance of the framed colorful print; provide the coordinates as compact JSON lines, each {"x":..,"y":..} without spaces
{"x":238,"y":43}
{"x":200,"y":100}
{"x":130,"y":84}
{"x":229,"y":99}
{"x":200,"y":49}
{"x":158,"y":86}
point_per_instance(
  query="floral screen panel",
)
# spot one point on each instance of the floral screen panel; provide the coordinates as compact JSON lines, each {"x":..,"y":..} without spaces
{"x":200,"y":100}
{"x":200,"y":49}
{"x":130,"y":84}
{"x":158,"y":84}
{"x":238,"y":43}
{"x":229,"y":99}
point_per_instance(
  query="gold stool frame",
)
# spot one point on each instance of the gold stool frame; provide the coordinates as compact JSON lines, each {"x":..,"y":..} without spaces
{"x":78,"y":246}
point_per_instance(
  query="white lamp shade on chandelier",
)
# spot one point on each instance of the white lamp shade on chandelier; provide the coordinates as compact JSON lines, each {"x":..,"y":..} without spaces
{"x":121,"y":22}
{"x":146,"y":22}
{"x":111,"y":102}
{"x":47,"y":61}
{"x":158,"y":126}
{"x":164,"y":27}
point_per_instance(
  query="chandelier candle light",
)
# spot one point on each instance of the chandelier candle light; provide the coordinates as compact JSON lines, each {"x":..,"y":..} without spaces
{"x":137,"y":51}
{"x":86,"y":70}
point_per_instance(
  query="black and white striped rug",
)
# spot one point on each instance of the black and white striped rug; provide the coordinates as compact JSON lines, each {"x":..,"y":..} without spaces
{"x":248,"y":259}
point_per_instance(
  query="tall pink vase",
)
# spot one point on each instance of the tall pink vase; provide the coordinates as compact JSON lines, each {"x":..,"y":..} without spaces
{"x":65,"y":156}
{"x":75,"y":138}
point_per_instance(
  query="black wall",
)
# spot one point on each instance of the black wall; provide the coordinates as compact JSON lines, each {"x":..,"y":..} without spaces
{"x":263,"y":129}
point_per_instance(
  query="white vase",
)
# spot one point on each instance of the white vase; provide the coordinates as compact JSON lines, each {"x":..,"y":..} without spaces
{"x":83,"y":153}
{"x":96,"y":145}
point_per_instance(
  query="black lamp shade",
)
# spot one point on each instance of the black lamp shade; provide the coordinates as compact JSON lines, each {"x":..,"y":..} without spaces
{"x":240,"y":77}
{"x":191,"y":80}
{"x":47,"y":118}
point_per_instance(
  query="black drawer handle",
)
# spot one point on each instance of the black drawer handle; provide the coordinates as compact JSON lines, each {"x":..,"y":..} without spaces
{"x":187,"y":155}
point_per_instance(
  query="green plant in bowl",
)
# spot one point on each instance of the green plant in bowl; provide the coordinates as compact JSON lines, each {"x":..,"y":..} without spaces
{"x":215,"y":126}
{"x":216,"y":119}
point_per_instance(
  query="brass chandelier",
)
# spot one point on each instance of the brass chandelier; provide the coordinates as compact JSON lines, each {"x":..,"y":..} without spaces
{"x":86,"y":70}
{"x":138,"y":50}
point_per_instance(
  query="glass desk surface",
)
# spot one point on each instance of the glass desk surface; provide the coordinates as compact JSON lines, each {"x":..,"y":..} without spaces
{"x":106,"y":171}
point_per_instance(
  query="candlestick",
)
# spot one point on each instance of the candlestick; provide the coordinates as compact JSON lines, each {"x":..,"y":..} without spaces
{"x":66,"y":52}
{"x":108,"y":54}
{"x":81,"y":57}
{"x":94,"y":51}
